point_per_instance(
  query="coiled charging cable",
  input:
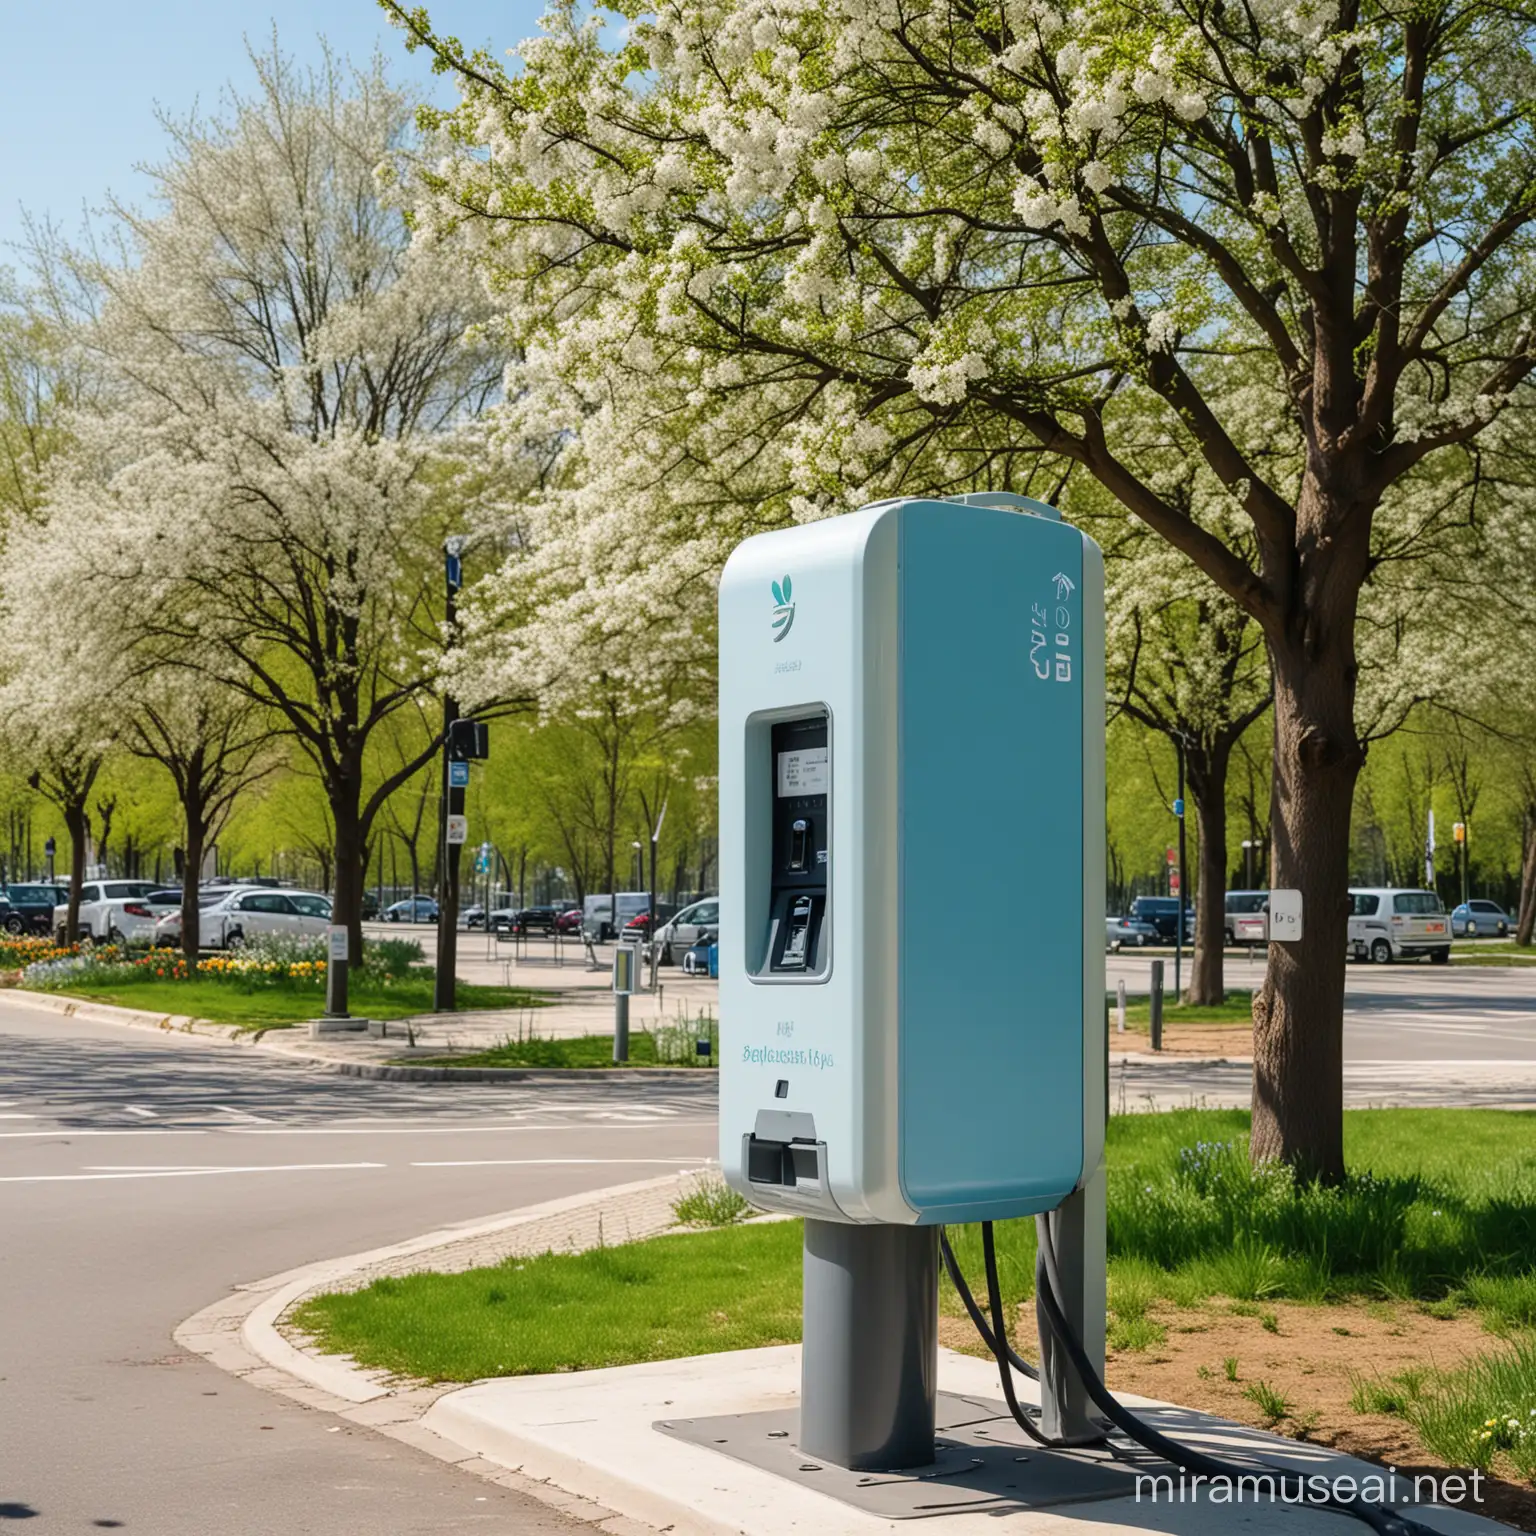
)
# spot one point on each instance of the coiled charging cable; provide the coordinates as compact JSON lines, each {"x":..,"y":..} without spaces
{"x":1048,"y":1297}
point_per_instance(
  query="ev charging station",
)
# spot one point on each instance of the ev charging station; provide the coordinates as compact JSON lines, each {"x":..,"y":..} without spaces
{"x":911,"y":952}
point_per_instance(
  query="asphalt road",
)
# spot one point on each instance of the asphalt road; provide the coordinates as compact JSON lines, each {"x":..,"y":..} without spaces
{"x":141,"y":1178}
{"x":1407,"y":1012}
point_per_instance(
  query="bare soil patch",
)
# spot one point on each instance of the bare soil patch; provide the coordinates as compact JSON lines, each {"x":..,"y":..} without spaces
{"x":1310,"y":1359}
{"x":1234,"y":1041}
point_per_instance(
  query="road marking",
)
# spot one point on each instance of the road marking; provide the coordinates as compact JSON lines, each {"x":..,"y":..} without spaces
{"x":124,"y":1130}
{"x":564,"y":1162}
{"x":464,"y":1128}
{"x":177,"y":1173}
{"x":15,"y":1114}
{"x":139,"y":1109}
{"x":242,"y":1114}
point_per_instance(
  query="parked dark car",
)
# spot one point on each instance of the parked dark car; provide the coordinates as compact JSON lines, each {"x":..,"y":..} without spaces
{"x":419,"y":909}
{"x":29,"y":908}
{"x":1163,"y":913}
{"x":370,"y":904}
{"x":540,"y":919}
{"x":1480,"y":919}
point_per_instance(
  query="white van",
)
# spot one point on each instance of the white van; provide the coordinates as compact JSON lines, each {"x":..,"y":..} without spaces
{"x":1387,"y":925}
{"x":597,"y":915}
{"x":1247,"y":920}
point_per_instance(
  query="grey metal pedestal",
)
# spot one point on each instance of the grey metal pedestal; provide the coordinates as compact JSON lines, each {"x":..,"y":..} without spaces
{"x":869,"y":1366}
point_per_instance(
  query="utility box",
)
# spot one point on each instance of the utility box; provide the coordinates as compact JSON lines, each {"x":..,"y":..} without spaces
{"x":912,"y":851}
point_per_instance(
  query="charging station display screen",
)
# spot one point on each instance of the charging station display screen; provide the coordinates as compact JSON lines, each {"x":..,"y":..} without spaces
{"x":805,"y":772}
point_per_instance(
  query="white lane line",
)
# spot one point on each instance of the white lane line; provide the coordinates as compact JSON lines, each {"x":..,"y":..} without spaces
{"x":565,"y":1162}
{"x":242,"y":1114}
{"x":15,"y":1114}
{"x":139,"y":1109}
{"x":124,"y":1130}
{"x":177,"y":1173}
{"x":463,"y":1128}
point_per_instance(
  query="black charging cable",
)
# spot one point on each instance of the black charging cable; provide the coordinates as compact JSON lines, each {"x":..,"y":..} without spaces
{"x":963,"y":1291}
{"x":1048,"y":1297}
{"x":998,"y":1338}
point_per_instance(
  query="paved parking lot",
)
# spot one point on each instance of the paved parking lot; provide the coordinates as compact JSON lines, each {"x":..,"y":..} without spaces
{"x":1393,"y":1013}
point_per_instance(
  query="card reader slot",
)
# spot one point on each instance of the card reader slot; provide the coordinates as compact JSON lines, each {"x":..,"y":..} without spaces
{"x":786,"y":1163}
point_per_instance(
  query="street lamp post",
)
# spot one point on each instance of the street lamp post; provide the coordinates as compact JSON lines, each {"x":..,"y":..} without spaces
{"x":1178,"y":942}
{"x":1248,"y":863}
{"x":450,"y":803}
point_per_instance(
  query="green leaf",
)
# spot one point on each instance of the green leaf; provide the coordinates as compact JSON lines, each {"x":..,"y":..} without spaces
{"x":788,"y":589}
{"x":778,"y":596}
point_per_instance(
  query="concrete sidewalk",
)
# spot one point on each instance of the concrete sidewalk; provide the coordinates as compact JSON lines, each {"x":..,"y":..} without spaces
{"x":597,"y":1433}
{"x":588,"y":1442}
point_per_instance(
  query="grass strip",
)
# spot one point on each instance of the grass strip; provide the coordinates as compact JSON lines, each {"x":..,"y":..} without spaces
{"x":731,"y":1288}
{"x":257,"y":1005}
{"x":1442,"y":1211}
{"x":583,"y":1051}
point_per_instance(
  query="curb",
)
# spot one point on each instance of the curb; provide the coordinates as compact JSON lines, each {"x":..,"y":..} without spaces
{"x":392,"y":1072}
{"x":239,"y":1334}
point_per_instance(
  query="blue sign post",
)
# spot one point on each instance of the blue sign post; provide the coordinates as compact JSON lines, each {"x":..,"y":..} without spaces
{"x":458,"y":775}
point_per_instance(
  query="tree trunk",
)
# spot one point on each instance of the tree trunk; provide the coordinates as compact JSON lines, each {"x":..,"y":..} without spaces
{"x":79,"y":833}
{"x":1527,"y":915}
{"x":191,"y":927}
{"x":1207,"y":769}
{"x":347,"y":898}
{"x":1298,"y":1016}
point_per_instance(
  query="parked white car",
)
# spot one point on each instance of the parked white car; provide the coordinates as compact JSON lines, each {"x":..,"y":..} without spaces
{"x":111,"y":912}
{"x":1388,"y":924}
{"x":682,"y":932}
{"x":233,"y":917}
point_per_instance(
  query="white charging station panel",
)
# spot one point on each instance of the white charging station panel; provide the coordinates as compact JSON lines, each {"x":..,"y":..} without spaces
{"x":912,"y":850}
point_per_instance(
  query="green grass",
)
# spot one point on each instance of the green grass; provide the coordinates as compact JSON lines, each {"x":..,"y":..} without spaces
{"x":710,"y":1203}
{"x":1237,"y":1009}
{"x":1483,"y":1413}
{"x":647,"y":1048}
{"x":1269,"y":1402}
{"x":1510,"y":956}
{"x":1442,"y":1206}
{"x":225,"y":1002}
{"x":733,"y":1288}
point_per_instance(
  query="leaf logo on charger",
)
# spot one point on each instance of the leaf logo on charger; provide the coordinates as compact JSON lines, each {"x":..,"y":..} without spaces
{"x":784,"y":608}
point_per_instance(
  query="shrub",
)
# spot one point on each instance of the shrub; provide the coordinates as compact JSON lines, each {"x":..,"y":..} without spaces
{"x":677,"y":1043}
{"x":710,"y":1203}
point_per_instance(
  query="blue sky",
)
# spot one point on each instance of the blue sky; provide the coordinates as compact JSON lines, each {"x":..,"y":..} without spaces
{"x":80,"y":79}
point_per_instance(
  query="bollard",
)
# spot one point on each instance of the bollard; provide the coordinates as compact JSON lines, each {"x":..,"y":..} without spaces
{"x":1157,"y":1005}
{"x":621,"y":1027}
{"x":1120,"y":1006}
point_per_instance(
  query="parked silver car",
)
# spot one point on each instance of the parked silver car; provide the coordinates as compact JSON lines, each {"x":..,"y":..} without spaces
{"x":1480,"y":919}
{"x":1387,"y":925}
{"x":1135,"y":931}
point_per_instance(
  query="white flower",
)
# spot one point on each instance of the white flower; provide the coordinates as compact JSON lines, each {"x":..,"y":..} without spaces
{"x":1097,"y":175}
{"x":1162,"y":329}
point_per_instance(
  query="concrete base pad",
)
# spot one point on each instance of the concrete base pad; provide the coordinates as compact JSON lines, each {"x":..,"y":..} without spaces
{"x":982,"y":1461}
{"x":593,"y":1433}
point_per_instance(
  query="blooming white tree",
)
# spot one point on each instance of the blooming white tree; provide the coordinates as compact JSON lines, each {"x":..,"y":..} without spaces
{"x":262,"y":496}
{"x":818,"y":237}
